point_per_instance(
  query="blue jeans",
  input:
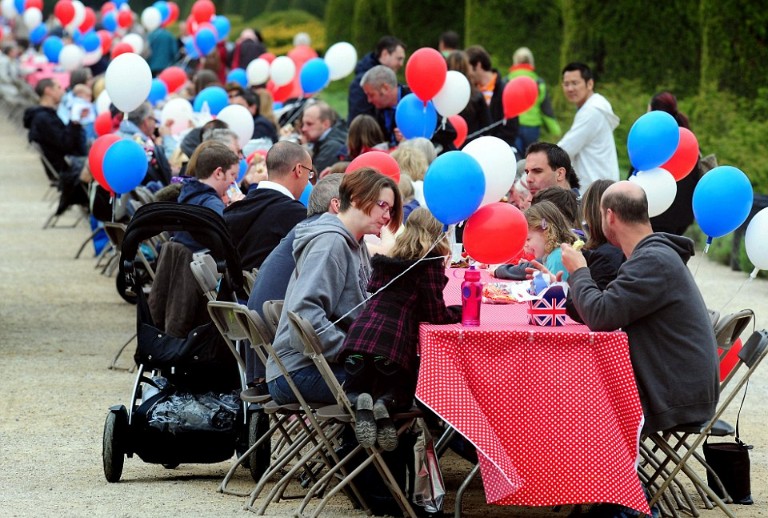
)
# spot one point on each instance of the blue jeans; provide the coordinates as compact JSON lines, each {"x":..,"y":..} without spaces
{"x":526,"y":135}
{"x":309,"y":382}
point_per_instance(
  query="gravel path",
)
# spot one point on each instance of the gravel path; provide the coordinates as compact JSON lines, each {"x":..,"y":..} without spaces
{"x":60,"y":324}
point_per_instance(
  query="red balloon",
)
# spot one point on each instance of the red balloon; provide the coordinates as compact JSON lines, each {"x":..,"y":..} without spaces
{"x":191,"y":25}
{"x":203,"y":11}
{"x":173,"y":10}
{"x":730,"y":360}
{"x":268,"y":57}
{"x":280,"y":93}
{"x":378,"y":160}
{"x":173,"y":77}
{"x":685,"y":157}
{"x":33,"y":3}
{"x":64,"y":11}
{"x":460,"y":125}
{"x":125,"y":18}
{"x":96,"y":158}
{"x":108,"y":6}
{"x":103,"y":124}
{"x":425,"y":73}
{"x":121,"y":48}
{"x":519,"y":96}
{"x":89,"y":20}
{"x":301,"y":54}
{"x":483,"y":228}
{"x":106,"y":41}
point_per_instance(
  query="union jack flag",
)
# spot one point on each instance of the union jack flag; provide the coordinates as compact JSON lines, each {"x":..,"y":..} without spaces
{"x":550,"y":309}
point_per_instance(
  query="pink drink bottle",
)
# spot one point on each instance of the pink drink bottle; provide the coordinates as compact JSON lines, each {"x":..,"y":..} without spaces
{"x":471,"y":297}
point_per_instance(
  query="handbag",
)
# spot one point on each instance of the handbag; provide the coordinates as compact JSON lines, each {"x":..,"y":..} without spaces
{"x":730,"y":467}
{"x":428,"y":485}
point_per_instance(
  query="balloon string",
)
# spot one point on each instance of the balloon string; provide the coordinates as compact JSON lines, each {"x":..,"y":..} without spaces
{"x":423,"y":258}
{"x":485,"y":129}
{"x":738,"y":290}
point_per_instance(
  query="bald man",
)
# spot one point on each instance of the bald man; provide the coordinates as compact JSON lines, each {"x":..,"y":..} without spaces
{"x":655,"y":300}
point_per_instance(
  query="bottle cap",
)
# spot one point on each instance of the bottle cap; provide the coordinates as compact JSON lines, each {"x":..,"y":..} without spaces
{"x":472,"y":274}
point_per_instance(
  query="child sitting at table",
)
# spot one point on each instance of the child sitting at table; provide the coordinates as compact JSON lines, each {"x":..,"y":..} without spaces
{"x":547,"y":229}
{"x":379,"y":352}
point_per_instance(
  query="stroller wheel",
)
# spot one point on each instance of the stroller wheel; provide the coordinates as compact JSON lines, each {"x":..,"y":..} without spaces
{"x":260,"y":458}
{"x":115,"y":439}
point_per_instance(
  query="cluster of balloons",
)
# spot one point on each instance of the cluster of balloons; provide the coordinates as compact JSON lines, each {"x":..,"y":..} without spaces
{"x":206,"y":28}
{"x":437,"y":90}
{"x":118,"y":165}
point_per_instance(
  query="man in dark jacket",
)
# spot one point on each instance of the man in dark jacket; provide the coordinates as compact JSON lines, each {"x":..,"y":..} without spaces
{"x":58,"y":141}
{"x":655,"y":300}
{"x":271,"y":209}
{"x":491,"y":84}
{"x":320,"y":129}
{"x":389,"y":52}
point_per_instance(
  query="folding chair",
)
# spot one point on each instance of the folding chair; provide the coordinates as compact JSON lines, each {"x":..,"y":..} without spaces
{"x":272,"y":310}
{"x":750,"y":356}
{"x":50,"y":172}
{"x":728,"y":329}
{"x":313,"y":349}
{"x":250,"y":279}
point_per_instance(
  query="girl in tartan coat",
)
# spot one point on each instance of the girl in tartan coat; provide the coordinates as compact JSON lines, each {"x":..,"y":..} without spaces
{"x":379,"y":352}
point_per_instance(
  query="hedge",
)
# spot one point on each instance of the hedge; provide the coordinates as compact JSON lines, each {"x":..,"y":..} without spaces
{"x":369,"y":23}
{"x":419,"y":24}
{"x":338,"y":20}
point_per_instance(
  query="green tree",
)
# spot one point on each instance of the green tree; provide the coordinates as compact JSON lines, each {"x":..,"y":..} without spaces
{"x":338,"y":20}
{"x":420,"y":24}
{"x":369,"y":23}
{"x":502,"y":27}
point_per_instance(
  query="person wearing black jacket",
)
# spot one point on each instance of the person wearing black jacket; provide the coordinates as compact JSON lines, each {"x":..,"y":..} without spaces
{"x":383,"y":92}
{"x":389,"y":52}
{"x":58,"y":141}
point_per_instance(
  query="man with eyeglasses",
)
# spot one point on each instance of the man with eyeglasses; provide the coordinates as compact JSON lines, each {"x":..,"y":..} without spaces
{"x":271,"y":208}
{"x":589,"y":142}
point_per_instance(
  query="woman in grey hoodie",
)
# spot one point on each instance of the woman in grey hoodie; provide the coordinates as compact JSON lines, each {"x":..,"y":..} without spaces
{"x":329,"y":284}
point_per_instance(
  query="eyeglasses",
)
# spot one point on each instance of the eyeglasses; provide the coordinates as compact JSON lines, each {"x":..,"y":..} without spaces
{"x":385,"y":206}
{"x":309,"y":170}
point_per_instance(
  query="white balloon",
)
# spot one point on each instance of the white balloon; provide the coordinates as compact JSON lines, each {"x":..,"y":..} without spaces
{"x":756,"y":241}
{"x":128,"y":81}
{"x":453,"y":96}
{"x":135,"y":41}
{"x":77,"y":21}
{"x":239,"y":120}
{"x":660,"y":188}
{"x":341,"y":58}
{"x":499,"y":166}
{"x":151,"y":18}
{"x":102,"y":102}
{"x":282,"y":70}
{"x":257,"y":72}
{"x":71,"y":57}
{"x":32,"y":17}
{"x":93,"y":57}
{"x":8,"y":8}
{"x":178,"y":110}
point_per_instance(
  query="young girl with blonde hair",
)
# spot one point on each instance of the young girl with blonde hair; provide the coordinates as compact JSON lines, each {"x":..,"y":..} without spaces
{"x":379,"y":352}
{"x":547,"y":229}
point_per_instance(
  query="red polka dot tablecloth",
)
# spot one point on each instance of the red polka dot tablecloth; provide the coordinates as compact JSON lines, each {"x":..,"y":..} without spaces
{"x":553,"y":411}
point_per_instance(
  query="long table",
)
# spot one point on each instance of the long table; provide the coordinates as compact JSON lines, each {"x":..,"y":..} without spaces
{"x":553,"y":411}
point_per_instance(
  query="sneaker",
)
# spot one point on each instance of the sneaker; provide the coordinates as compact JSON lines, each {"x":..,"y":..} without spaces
{"x":387,"y":433}
{"x":365,"y":424}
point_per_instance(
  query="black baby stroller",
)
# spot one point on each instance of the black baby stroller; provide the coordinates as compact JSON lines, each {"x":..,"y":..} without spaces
{"x":185,"y":405}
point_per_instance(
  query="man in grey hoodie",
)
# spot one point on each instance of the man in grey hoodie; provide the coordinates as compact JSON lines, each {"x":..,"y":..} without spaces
{"x":589,"y":142}
{"x":655,"y":300}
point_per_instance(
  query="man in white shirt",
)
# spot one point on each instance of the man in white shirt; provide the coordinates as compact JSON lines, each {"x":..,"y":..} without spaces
{"x":589,"y":142}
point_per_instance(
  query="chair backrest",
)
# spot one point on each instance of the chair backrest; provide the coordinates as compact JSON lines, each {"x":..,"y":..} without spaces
{"x":115,"y":233}
{"x":229,"y":326}
{"x":750,"y":355}
{"x":204,"y":278}
{"x":314,"y":350}
{"x":714,"y":316}
{"x":250,"y":279}
{"x":272,"y":310}
{"x":729,"y":328}
{"x":50,"y":171}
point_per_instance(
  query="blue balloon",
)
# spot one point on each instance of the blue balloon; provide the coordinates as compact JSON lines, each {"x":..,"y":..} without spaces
{"x":414,"y":118}
{"x":314,"y":75}
{"x":90,"y":41}
{"x":242,"y":171}
{"x":118,"y":3}
{"x":222,"y":26}
{"x":109,"y":21}
{"x":205,"y":40}
{"x":52,"y":48}
{"x":165,"y":11}
{"x":38,"y":34}
{"x":215,"y":96}
{"x":722,"y":200}
{"x":125,"y":165}
{"x":454,"y":186}
{"x":19,"y":4}
{"x":652,"y":140}
{"x":157,"y":92}
{"x":77,"y":37}
{"x":238,"y":75}
{"x":189,"y":46}
{"x":304,"y":198}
